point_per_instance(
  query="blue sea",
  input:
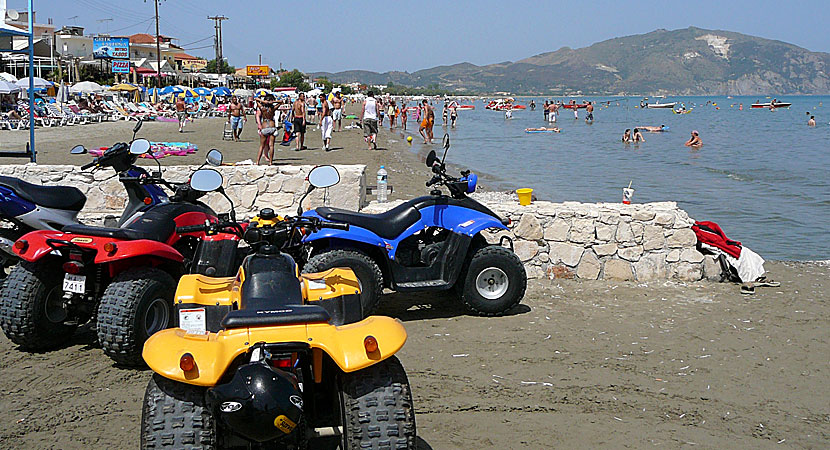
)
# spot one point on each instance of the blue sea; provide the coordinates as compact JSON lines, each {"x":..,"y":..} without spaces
{"x":763,"y":175}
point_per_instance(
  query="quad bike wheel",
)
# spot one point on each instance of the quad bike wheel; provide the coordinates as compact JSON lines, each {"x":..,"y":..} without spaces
{"x":138,"y":303}
{"x":494,"y":281}
{"x":32,"y":313}
{"x":376,"y":404}
{"x":175,"y":416}
{"x":365,"y":268}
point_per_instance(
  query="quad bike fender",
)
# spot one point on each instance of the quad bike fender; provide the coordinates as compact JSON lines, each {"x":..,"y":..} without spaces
{"x":37,"y":247}
{"x":329,"y":284}
{"x":204,"y":290}
{"x":214,"y":352}
{"x":355,"y":233}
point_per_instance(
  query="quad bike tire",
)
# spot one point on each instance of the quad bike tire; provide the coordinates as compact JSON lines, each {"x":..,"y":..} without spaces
{"x":175,"y":416}
{"x":493,"y":282}
{"x":27,"y":292}
{"x":365,"y":268}
{"x":377,"y":407}
{"x":137,"y":303}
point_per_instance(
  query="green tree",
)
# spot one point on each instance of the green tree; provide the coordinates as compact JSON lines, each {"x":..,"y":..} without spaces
{"x":223,"y":67}
{"x":346,"y":90}
{"x":293,"y":78}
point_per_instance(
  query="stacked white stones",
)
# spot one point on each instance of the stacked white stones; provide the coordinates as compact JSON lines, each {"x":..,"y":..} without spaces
{"x":251,"y":188}
{"x":609,"y":241}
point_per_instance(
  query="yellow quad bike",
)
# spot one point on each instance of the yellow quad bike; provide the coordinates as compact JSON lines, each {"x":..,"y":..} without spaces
{"x":273,"y":359}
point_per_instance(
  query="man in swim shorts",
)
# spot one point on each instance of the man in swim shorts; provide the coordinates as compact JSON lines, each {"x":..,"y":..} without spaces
{"x":369,"y":117}
{"x":236,"y":115}
{"x":181,"y":112}
{"x":337,"y":111}
{"x":427,"y":123}
{"x":299,"y":111}
{"x":590,"y":110}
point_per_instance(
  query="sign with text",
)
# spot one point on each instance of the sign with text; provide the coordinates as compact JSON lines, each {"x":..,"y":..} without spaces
{"x":194,"y":65}
{"x":257,"y":71}
{"x":120,"y":66}
{"x":111,"y":48}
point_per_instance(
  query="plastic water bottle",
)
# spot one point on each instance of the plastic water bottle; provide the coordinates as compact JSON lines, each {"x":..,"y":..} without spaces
{"x":382,"y":182}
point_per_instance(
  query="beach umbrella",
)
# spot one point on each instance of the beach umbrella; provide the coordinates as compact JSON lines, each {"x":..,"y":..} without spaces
{"x":8,"y":88}
{"x":202,"y":91}
{"x":39,"y":83}
{"x":170,"y":90}
{"x":242,"y":93}
{"x":189,"y":93}
{"x":261,"y":92}
{"x":222,"y":91}
{"x":153,"y":94}
{"x":124,"y":87}
{"x":86,"y":87}
{"x":5,"y":76}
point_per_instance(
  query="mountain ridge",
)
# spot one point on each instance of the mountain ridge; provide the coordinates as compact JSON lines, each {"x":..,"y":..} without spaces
{"x":689,"y":61}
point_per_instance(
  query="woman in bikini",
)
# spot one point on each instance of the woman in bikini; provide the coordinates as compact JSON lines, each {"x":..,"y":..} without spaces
{"x":267,"y":128}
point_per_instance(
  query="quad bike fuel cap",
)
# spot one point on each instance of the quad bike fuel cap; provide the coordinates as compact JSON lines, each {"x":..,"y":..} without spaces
{"x":267,"y":214}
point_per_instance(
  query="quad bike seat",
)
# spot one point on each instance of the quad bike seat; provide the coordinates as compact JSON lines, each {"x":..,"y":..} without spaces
{"x":157,"y":224}
{"x":59,"y":197}
{"x":389,"y":224}
{"x":271,"y":295}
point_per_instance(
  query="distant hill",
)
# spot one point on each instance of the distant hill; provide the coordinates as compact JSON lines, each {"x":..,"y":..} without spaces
{"x":680,"y":62}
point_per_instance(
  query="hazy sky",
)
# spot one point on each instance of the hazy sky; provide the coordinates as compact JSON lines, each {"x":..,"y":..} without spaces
{"x":331,"y":35}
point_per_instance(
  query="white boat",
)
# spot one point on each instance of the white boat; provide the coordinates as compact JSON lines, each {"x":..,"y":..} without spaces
{"x":660,"y":105}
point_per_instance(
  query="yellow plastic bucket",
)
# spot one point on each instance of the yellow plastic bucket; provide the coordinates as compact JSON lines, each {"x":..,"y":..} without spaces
{"x":524,"y":195}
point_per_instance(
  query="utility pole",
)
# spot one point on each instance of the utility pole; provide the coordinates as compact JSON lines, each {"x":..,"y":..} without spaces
{"x":158,"y":47}
{"x":217,"y":40}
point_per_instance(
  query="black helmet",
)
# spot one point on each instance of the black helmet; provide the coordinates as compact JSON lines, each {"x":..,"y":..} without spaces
{"x":259,"y":403}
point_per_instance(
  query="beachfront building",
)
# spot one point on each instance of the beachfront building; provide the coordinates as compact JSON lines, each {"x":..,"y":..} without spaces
{"x":45,"y":58}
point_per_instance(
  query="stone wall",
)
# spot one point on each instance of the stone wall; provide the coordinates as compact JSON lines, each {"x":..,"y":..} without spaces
{"x":607,"y":241}
{"x":251,"y":188}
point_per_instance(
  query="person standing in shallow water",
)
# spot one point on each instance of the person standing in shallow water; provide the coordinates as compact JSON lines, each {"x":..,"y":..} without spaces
{"x":812,"y":121}
{"x":694,"y":141}
{"x":590,"y":112}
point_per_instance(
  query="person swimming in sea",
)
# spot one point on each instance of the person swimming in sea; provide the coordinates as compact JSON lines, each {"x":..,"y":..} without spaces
{"x":627,"y":136}
{"x":637,"y":136}
{"x":651,"y":129}
{"x":554,"y":129}
{"x":694,"y":141}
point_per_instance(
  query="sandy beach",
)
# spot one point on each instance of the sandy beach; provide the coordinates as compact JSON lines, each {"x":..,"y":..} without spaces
{"x":577,"y":365}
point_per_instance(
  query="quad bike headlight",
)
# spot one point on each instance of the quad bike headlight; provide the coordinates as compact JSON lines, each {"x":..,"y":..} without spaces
{"x":260,"y":403}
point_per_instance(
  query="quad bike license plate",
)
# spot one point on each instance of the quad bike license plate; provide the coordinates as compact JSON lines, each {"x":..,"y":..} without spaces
{"x":74,"y":283}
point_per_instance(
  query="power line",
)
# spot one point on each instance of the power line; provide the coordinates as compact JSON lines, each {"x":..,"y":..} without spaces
{"x":196,"y":42}
{"x":133,"y":25}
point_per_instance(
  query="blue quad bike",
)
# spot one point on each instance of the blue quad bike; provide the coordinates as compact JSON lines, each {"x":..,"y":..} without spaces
{"x":430,"y":243}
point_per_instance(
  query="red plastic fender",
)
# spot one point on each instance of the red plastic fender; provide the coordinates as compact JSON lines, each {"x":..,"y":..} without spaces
{"x":187,"y":219}
{"x":36,"y":247}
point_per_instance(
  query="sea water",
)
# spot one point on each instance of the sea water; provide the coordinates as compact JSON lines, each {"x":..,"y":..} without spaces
{"x":763,"y":175}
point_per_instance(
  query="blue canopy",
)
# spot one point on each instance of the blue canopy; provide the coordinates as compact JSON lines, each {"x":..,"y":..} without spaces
{"x":202,"y":91}
{"x":170,"y":90}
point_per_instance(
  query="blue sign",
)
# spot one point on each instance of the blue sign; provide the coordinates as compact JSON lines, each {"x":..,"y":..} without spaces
{"x":111,"y":48}
{"x":120,"y":66}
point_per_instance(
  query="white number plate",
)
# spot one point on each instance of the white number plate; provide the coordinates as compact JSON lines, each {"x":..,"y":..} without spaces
{"x":74,"y":283}
{"x":193,"y":321}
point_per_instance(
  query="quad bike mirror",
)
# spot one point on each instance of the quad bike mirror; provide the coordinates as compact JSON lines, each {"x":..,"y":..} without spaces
{"x":432,"y":158}
{"x":139,"y":146}
{"x":78,"y":150}
{"x":137,"y":126}
{"x":323,"y":176}
{"x":214,"y":157}
{"x":206,"y":180}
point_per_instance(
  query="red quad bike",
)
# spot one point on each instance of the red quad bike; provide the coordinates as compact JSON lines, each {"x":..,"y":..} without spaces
{"x":123,"y":278}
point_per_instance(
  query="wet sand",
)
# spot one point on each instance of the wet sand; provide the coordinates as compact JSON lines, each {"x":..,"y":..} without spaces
{"x":577,"y":365}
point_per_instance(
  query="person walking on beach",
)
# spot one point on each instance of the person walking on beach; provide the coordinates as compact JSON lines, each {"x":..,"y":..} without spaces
{"x":379,"y":106}
{"x":236,"y":115}
{"x":403,"y":116}
{"x":590,"y":110}
{"x":429,"y":121}
{"x":369,"y":116}
{"x":337,"y":111}
{"x":299,"y":111}
{"x":326,"y":123}
{"x":181,"y":112}
{"x":694,"y":141}
{"x":392,"y":112}
{"x":266,"y":127}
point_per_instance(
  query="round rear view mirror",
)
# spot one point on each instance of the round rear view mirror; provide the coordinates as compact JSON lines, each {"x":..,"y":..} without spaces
{"x":431,"y":158}
{"x":214,"y":157}
{"x":206,"y":180}
{"x":323,"y":176}
{"x":139,"y":146}
{"x":78,"y":150}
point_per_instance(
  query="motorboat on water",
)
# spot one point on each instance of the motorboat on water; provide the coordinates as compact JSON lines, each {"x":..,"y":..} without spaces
{"x":772,"y":105}
{"x":659,"y":105}
{"x":503,"y":104}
